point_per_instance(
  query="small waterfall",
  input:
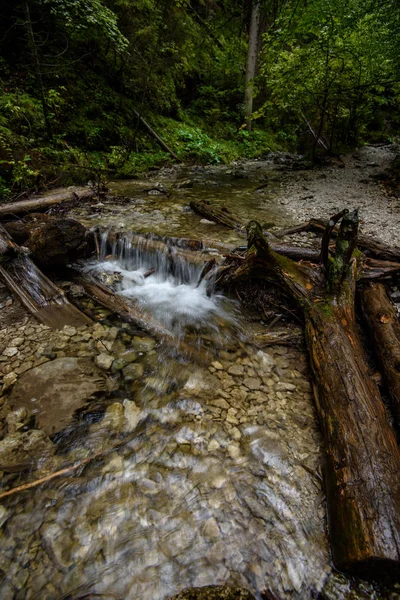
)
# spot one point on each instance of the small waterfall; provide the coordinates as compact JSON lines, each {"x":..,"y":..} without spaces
{"x":145,"y":253}
{"x":162,"y":275}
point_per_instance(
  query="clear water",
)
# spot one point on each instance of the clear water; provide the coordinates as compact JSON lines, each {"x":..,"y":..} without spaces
{"x":209,"y":473}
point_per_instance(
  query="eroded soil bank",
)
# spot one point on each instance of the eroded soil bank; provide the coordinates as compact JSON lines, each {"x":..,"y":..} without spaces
{"x":181,"y":474}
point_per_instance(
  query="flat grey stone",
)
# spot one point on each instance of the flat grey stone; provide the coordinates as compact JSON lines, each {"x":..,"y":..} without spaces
{"x":55,"y":390}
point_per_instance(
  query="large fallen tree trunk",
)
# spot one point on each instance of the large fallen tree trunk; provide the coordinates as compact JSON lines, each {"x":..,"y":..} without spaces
{"x":384,"y":328}
{"x":46,"y":201}
{"x":362,"y":458}
{"x":34,"y":290}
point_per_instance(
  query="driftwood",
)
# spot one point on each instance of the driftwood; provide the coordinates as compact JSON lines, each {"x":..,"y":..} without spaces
{"x":223,"y":216}
{"x":384,"y":328}
{"x":367,"y":244}
{"x":372,"y":268}
{"x":362,"y":458}
{"x":46,"y":201}
{"x":34,"y":290}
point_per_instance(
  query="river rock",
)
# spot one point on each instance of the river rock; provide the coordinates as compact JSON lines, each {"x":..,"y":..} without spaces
{"x":55,"y":390}
{"x":104,"y":361}
{"x":19,"y":451}
{"x":253,"y":383}
{"x":133,"y":371}
{"x":214,"y":592}
{"x":143,"y":344}
{"x":60,"y":242}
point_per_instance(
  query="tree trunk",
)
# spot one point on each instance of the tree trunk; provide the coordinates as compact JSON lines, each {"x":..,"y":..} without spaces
{"x":251,"y":64}
{"x":384,"y":327}
{"x":362,"y":458}
{"x":37,"y":68}
{"x":46,"y":201}
{"x":156,"y":137}
{"x":33,"y":289}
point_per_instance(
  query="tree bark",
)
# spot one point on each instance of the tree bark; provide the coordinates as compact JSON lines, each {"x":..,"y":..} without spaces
{"x":251,"y":64}
{"x":33,"y":289}
{"x":384,"y":329}
{"x":362,"y":458}
{"x":46,"y":201}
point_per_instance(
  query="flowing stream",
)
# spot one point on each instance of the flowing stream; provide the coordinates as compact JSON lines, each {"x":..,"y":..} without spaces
{"x":209,"y":470}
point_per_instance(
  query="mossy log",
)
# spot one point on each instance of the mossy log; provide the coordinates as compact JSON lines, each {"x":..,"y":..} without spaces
{"x":384,"y":329}
{"x":362,"y":458}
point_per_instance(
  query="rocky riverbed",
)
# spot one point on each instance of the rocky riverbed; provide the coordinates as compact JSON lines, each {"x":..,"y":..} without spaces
{"x":164,"y":473}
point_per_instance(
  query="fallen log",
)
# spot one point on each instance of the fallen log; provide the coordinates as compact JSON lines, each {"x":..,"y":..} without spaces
{"x":372,"y":268}
{"x":369,"y":245}
{"x":33,"y":289}
{"x":384,"y":328}
{"x":362,"y":458}
{"x":223,"y":216}
{"x":46,"y":201}
{"x":132,"y":314}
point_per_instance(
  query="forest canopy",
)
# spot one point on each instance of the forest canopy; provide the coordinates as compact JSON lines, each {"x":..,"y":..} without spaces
{"x":320,"y":75}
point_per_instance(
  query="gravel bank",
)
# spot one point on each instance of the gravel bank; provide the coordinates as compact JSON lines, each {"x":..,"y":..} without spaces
{"x":350,"y":183}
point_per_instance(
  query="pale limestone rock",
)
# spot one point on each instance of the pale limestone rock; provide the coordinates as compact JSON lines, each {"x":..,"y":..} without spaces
{"x":104,"y":361}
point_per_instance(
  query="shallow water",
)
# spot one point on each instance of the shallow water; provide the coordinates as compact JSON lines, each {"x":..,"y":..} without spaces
{"x":207,"y":473}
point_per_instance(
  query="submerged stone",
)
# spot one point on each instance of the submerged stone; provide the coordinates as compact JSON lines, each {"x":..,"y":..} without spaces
{"x":55,"y":390}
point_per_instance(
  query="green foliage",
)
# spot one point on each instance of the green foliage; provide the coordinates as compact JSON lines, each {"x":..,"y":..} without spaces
{"x":329,"y":64}
{"x":81,"y":17}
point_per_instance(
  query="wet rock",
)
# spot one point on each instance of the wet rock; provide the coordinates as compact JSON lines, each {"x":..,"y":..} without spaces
{"x":56,"y":543}
{"x":213,"y":445}
{"x":214,"y":592}
{"x":114,"y":417}
{"x":133,"y":371}
{"x":9,"y":380}
{"x":60,"y":242}
{"x":132,"y":415}
{"x":129,"y":356}
{"x":10,"y":352}
{"x":118,"y":364}
{"x":252,"y":383}
{"x":287,"y":387}
{"x":236,"y":370}
{"x":16,"y":420}
{"x":220,"y":403}
{"x":185,"y":184}
{"x":104,"y":361}
{"x":19,"y":451}
{"x":56,"y":389}
{"x":4,"y":514}
{"x":217,"y":365}
{"x":143,"y":344}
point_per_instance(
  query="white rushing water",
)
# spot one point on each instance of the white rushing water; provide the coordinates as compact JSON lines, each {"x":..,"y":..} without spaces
{"x":173,"y":294}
